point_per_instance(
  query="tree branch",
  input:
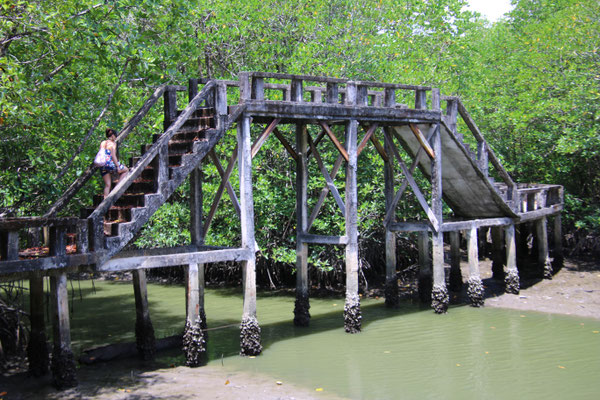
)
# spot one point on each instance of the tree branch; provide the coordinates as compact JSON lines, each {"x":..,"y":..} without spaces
{"x":96,"y":122}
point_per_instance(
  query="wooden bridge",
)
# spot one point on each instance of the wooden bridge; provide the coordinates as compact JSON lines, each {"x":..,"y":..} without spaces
{"x":457,"y":176}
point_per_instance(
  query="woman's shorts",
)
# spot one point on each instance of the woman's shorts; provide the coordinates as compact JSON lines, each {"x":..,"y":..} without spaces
{"x":110,"y":167}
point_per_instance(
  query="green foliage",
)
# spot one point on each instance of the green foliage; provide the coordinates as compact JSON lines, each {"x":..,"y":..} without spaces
{"x":168,"y":227}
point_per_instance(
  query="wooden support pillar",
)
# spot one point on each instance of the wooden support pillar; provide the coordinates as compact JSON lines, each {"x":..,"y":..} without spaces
{"x":558,"y":249}
{"x":455,"y":273}
{"x":170,"y":107}
{"x":63,"y":363}
{"x":37,"y":348}
{"x":511,"y":280}
{"x":475,"y":290}
{"x":439,"y":292}
{"x":542,"y":247}
{"x":483,"y":243}
{"x":250,"y":330}
{"x":144,"y":331}
{"x":302,"y":305}
{"x":391,"y":277}
{"x":497,"y":253}
{"x":352,"y":312}
{"x":198,"y":233}
{"x":194,"y":342}
{"x":425,"y":273}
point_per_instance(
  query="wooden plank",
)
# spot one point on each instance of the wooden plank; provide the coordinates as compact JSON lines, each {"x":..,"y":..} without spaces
{"x":328,"y":178}
{"x":157,"y":261}
{"x":335,"y":140}
{"x":449,"y":226}
{"x":409,"y":178}
{"x":13,"y":224}
{"x":286,"y":144}
{"x":263,"y":137}
{"x":409,"y":227}
{"x":544,"y":212}
{"x":322,"y":239}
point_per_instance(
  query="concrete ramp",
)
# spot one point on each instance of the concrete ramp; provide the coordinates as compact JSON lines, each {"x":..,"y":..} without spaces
{"x":467,"y":190}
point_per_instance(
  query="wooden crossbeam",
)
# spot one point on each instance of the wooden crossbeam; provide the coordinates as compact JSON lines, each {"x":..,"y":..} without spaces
{"x":408,"y":175}
{"x":264,"y":136}
{"x":324,"y":191}
{"x":363,"y":143}
{"x":335,"y":141}
{"x":379,"y":148}
{"x":317,"y":141}
{"x":328,"y":178}
{"x":422,"y":140}
{"x":230,"y":191}
{"x":219,"y":193}
{"x":286,"y":144}
{"x":390,"y":212}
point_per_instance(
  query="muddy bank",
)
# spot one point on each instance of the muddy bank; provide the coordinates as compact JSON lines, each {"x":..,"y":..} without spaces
{"x":574,"y":290}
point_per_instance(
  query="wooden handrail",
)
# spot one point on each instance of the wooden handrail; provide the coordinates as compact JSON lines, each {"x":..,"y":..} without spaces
{"x":83,"y":178}
{"x":491,"y":155}
{"x":143,"y":162}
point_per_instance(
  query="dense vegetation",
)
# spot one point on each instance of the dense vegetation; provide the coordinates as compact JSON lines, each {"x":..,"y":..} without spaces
{"x":71,"y":68}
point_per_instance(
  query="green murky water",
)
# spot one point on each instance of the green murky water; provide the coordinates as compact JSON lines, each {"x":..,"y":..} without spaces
{"x":409,"y":353}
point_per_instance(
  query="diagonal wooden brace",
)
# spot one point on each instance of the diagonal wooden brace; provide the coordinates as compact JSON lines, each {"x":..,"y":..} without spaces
{"x":335,"y":141}
{"x":409,"y":178}
{"x":328,"y":178}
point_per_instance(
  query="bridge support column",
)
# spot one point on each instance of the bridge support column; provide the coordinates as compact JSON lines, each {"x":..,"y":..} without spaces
{"x":302,"y":305}
{"x":558,"y":249}
{"x":391,"y":278}
{"x":497,"y":256}
{"x":475,"y":290}
{"x":542,"y":247}
{"x":37,"y":348}
{"x":63,"y":363}
{"x":425,"y":272}
{"x":455,"y":273}
{"x":352,"y":312}
{"x":511,"y":279}
{"x":439,"y":293}
{"x":250,"y":330}
{"x":194,"y":342}
{"x":197,"y":235}
{"x":144,"y":331}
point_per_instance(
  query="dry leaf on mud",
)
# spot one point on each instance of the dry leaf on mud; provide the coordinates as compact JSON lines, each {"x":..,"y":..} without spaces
{"x":227,"y":382}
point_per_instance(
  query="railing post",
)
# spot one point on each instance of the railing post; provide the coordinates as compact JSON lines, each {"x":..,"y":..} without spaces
{"x":451,"y":114}
{"x":350,"y":94}
{"x":82,"y":236}
{"x":362,"y":97}
{"x":420,"y":99}
{"x":296,"y":90}
{"x":245,"y":92}
{"x":316,"y":96}
{"x":389,"y":97}
{"x":482,"y":157}
{"x":332,"y":93}
{"x":220,"y":104}
{"x":170,"y":106}
{"x":435,"y":99}
{"x":258,"y":88}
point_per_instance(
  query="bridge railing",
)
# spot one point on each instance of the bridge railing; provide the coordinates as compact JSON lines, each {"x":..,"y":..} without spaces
{"x":264,"y":86}
{"x":485,"y":154}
